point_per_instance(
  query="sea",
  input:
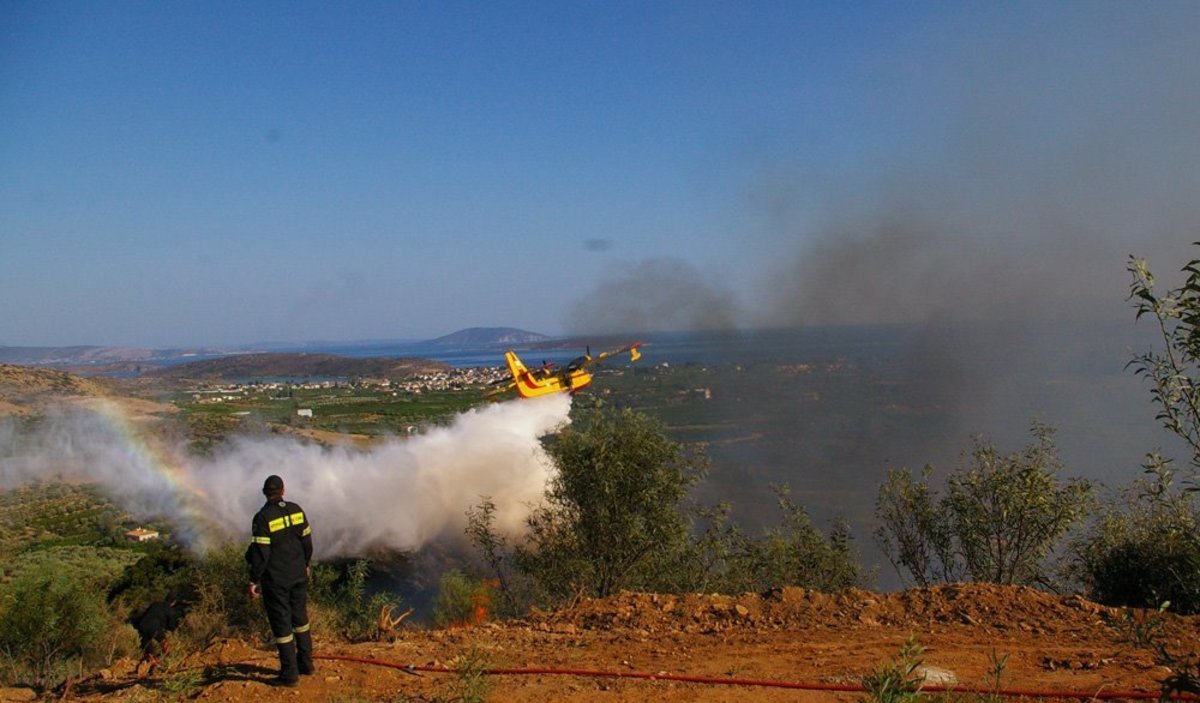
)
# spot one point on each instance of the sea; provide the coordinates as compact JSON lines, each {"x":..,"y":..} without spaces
{"x":704,"y":347}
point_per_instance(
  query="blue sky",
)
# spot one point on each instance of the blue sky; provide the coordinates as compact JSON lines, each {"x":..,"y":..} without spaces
{"x":219,"y":173}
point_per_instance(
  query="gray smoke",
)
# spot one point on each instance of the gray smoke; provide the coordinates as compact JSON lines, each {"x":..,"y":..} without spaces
{"x":655,"y":295}
{"x":1055,"y":142}
{"x":1005,"y":162}
{"x":398,"y":495}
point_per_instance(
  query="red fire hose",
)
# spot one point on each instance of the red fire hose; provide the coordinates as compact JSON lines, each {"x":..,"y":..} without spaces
{"x":841,"y":688}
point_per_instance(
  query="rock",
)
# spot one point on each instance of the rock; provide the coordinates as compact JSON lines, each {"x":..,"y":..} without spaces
{"x":935,"y":676}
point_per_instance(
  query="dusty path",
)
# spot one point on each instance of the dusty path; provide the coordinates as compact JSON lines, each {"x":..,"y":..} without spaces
{"x":791,"y":635}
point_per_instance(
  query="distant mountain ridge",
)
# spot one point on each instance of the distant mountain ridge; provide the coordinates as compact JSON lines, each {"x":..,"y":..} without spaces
{"x":284,"y":365}
{"x":489,"y":336}
{"x":98,"y":359}
{"x":73,"y":355}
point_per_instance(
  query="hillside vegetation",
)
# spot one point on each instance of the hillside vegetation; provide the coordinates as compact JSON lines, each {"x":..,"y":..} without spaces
{"x":25,"y":389}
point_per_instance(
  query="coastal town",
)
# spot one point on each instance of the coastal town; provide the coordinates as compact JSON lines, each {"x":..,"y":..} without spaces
{"x":454,"y":379}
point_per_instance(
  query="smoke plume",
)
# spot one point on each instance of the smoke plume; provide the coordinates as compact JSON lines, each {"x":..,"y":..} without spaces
{"x":655,"y":295}
{"x":398,"y":495}
{"x":995,"y":169}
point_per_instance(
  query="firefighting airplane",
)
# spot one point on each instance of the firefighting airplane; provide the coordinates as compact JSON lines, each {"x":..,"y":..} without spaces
{"x":550,"y":378}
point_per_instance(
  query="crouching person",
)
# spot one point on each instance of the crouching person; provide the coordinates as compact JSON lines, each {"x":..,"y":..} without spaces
{"x":279,"y":556}
{"x":152,"y":626}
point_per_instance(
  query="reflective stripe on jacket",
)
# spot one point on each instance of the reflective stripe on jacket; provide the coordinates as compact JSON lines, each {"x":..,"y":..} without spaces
{"x":281,"y":543}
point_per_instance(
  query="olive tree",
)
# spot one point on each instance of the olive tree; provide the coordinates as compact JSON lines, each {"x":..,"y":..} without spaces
{"x":1001,"y":515}
{"x":612,"y":515}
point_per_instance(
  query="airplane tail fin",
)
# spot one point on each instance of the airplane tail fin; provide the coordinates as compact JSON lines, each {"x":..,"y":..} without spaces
{"x":515,"y":367}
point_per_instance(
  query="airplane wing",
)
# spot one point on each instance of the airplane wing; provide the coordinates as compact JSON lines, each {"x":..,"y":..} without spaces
{"x":501,"y":388}
{"x":634,"y":354}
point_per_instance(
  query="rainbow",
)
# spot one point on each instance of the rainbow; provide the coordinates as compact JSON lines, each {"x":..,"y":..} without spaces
{"x":148,"y":477}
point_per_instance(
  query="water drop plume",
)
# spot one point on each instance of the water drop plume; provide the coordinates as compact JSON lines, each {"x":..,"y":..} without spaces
{"x":397,"y":495}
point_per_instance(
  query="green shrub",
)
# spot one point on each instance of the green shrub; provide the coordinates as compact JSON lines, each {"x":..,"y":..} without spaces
{"x":914,"y":531}
{"x":1174,"y":373}
{"x":164,"y":567}
{"x":470,"y":684}
{"x":793,"y":553}
{"x":48,"y":624}
{"x":1000,"y":518}
{"x":1144,"y":549}
{"x":461,"y":600}
{"x":898,"y":681}
{"x":221,"y":584}
{"x":340,"y":595}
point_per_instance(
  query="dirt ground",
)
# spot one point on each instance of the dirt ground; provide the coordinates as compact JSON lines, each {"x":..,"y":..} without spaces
{"x":1044,"y":642}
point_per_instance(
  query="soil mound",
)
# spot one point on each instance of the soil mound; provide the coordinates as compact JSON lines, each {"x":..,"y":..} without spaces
{"x":980,"y":605}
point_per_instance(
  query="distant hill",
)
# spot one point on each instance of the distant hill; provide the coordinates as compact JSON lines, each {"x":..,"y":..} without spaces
{"x":44,"y":356}
{"x":489,"y":336}
{"x":23,"y":388}
{"x":92,"y":360}
{"x":281,"y":365}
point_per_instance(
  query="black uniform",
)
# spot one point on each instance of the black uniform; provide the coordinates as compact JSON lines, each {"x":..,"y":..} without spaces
{"x":152,"y":626}
{"x":279,"y":556}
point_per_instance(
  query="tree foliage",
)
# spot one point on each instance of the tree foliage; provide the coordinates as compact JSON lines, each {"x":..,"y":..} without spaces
{"x":1000,"y":517}
{"x":914,"y":532}
{"x":612,"y":515}
{"x":1174,"y":371}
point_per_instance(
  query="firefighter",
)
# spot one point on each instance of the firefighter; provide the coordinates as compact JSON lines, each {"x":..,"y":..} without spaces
{"x":279,"y":557}
{"x":152,"y":626}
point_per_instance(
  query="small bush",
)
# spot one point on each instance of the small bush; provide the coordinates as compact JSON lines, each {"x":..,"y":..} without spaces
{"x":898,"y":681}
{"x":206,"y":620}
{"x":221,"y":581}
{"x":118,"y":640}
{"x":793,"y":553}
{"x":461,"y":600}
{"x":47,"y":624}
{"x":611,"y":518}
{"x":469,"y":684}
{"x":341,"y":598}
{"x":1144,"y":549}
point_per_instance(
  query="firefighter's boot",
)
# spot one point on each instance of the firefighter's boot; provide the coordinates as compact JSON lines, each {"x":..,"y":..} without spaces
{"x":288,"y":673}
{"x":304,"y":651}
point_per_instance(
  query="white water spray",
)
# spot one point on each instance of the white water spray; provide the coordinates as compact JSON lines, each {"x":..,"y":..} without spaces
{"x":397,"y":495}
